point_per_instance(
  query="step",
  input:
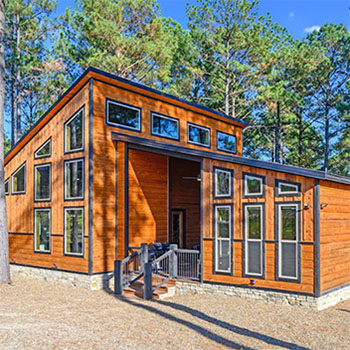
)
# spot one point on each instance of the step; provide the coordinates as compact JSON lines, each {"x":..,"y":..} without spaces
{"x":136,"y":291}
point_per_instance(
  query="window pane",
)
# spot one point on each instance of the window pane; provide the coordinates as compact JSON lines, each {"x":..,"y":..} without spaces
{"x":289,"y":223}
{"x":254,"y":222}
{"x":74,"y":231}
{"x":254,"y":257}
{"x":44,"y":150}
{"x":223,"y":180}
{"x":288,"y":188}
{"x":223,"y":222}
{"x":122,"y":115}
{"x":288,"y":260}
{"x":42,"y":230}
{"x":253,"y":185}
{"x":226,"y":142}
{"x":165,"y":127}
{"x":18,"y":181}
{"x":42,"y":184}
{"x":7,"y":187}
{"x":223,"y":255}
{"x":74,"y":179}
{"x":198,"y":135}
{"x":74,"y":133}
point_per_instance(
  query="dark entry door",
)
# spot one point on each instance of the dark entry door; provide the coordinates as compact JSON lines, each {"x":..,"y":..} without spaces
{"x":177,"y":231}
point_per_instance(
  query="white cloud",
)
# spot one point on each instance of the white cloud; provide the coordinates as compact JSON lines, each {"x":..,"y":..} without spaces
{"x":291,"y":15}
{"x":311,"y":29}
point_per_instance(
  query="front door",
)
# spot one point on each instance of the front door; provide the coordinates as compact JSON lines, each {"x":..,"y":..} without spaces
{"x":177,"y":231}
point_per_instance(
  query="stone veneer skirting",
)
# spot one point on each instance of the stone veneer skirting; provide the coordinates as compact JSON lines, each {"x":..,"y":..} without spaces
{"x":96,"y":282}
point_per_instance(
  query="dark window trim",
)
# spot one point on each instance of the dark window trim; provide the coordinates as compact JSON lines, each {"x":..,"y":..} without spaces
{"x":245,"y":273}
{"x":177,"y":138}
{"x":64,"y":179}
{"x":24,"y":164}
{"x":277,"y":245}
{"x":183,"y":224}
{"x":215,"y":206}
{"x":78,"y":255}
{"x":34,"y":234}
{"x":198,"y":127}
{"x":253,"y":195}
{"x":8,"y":181}
{"x":224,"y":149}
{"x":287,"y":182}
{"x":81,"y":109}
{"x":121,"y":126}
{"x":50,"y":182}
{"x":229,"y":196}
{"x":49,"y":140}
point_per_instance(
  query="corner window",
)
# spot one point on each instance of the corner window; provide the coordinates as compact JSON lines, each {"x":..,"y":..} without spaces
{"x":253,"y":185}
{"x":286,"y":188}
{"x":18,"y":180}
{"x":74,"y":231}
{"x":223,"y":183}
{"x":198,"y":135}
{"x":123,"y":115}
{"x":42,"y":230}
{"x":42,"y":179}
{"x":288,"y":231}
{"x":7,"y":187}
{"x":223,"y":236}
{"x":74,"y":133}
{"x":44,"y":150}
{"x":253,"y":226}
{"x":226,"y":142}
{"x":165,"y":126}
{"x":74,"y":179}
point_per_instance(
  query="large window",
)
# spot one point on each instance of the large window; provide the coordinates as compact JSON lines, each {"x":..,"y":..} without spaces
{"x":74,"y":133}
{"x":198,"y":135}
{"x":44,"y":150}
{"x":286,"y":188}
{"x":253,"y":185}
{"x":74,"y":231}
{"x":253,"y":226}
{"x":226,"y":142}
{"x":223,"y":237}
{"x":123,"y":115}
{"x":74,"y":179}
{"x":223,"y":183}
{"x":288,"y":231}
{"x":165,"y":126}
{"x":42,"y":179}
{"x":42,"y":230}
{"x":19,"y":180}
{"x":7,"y":186}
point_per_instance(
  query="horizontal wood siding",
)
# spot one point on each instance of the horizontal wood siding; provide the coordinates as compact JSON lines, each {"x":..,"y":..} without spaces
{"x":335,"y":235}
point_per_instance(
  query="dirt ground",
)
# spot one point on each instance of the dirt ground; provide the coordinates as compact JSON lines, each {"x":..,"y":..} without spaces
{"x":43,"y":315}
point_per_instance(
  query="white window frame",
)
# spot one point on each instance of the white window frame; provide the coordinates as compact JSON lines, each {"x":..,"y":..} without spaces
{"x":82,"y":233}
{"x":280,"y":240}
{"x":161,"y":116}
{"x":247,"y":240}
{"x":82,"y":109}
{"x":66,"y":162}
{"x":216,"y":195}
{"x":280,"y":193}
{"x":35,"y":236}
{"x":222,"y":148}
{"x":8,"y":182}
{"x":25,"y":179}
{"x":217,"y":239}
{"x":260,"y":179}
{"x":35,"y":188}
{"x":198,"y":127}
{"x":41,"y":147}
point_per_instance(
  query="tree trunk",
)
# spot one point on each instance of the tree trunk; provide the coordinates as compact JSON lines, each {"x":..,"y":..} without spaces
{"x":326,"y":137}
{"x":4,"y":246}
{"x":300,"y":137}
{"x":18,"y":81}
{"x":278,"y":135}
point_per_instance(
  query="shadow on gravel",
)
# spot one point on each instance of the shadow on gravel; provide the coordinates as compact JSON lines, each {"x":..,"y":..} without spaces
{"x":345,"y":310}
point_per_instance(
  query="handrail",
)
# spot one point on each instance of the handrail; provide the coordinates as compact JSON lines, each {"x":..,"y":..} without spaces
{"x":162,"y":257}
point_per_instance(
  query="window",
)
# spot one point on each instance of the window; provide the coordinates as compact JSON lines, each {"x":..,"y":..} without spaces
{"x":198,"y":135}
{"x":253,"y":185}
{"x":44,"y":150}
{"x":42,"y":230}
{"x":223,"y":183}
{"x":74,"y":133}
{"x":123,"y":115}
{"x":74,"y":179}
{"x":223,"y":228}
{"x":42,"y":179}
{"x":19,"y":180}
{"x":7,"y":186}
{"x":253,"y":226}
{"x":287,"y":188}
{"x":288,"y":230}
{"x":74,"y":231}
{"x":226,"y":142}
{"x":165,"y":126}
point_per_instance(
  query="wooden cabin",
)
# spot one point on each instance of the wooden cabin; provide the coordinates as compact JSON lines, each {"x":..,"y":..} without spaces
{"x":114,"y":164}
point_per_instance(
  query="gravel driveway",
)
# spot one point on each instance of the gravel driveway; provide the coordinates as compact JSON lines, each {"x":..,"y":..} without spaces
{"x":43,"y":315}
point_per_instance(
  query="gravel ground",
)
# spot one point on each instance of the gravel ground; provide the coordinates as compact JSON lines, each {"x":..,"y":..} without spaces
{"x":43,"y":315}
